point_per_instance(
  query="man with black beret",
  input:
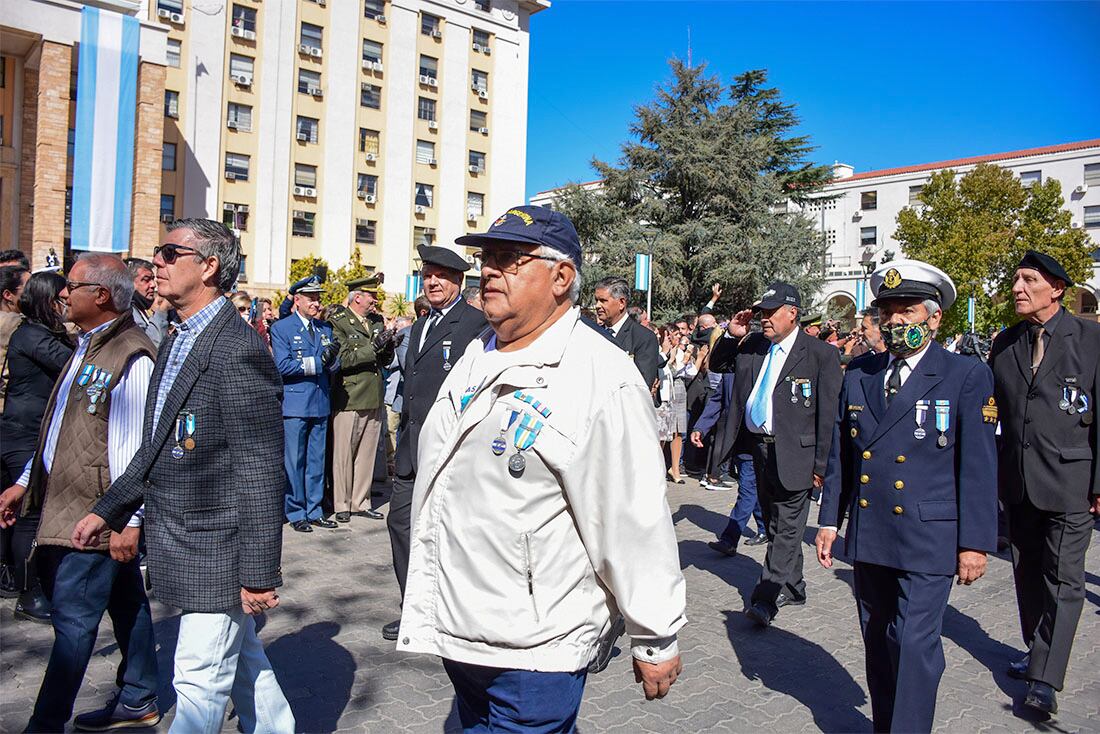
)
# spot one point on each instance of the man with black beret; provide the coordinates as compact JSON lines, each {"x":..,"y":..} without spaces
{"x":434,"y":346}
{"x":1047,"y":373}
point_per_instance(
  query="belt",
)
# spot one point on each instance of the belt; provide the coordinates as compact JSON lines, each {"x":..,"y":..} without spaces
{"x":762,"y":438}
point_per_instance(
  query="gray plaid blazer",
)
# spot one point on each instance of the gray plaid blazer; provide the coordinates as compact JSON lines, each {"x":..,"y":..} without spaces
{"x":213,"y":517}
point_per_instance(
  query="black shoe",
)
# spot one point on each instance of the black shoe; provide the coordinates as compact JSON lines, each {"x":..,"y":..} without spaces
{"x":322,"y":523}
{"x":114,"y":716}
{"x":8,"y":589}
{"x":723,"y":547}
{"x":302,"y":526}
{"x":391,"y":630}
{"x":1018,"y":669}
{"x":758,"y":539}
{"x":1040,"y":696}
{"x":607,"y":644}
{"x":785,"y":601}
{"x":33,"y":606}
{"x":371,"y":514}
{"x":343,"y":517}
{"x":758,"y":614}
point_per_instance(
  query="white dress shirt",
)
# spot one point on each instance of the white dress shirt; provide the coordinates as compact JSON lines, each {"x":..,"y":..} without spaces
{"x":778,"y":358}
{"x":618,"y":325}
{"x":309,"y":364}
{"x":434,"y":318}
{"x":124,"y":423}
{"x":911,"y":363}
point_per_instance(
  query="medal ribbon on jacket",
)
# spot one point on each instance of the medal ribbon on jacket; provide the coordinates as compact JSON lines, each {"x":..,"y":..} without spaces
{"x":530,"y":400}
{"x":943,"y":421}
{"x":526,"y":433}
{"x":921,"y":412}
{"x":499,"y":445}
{"x":100,"y":380}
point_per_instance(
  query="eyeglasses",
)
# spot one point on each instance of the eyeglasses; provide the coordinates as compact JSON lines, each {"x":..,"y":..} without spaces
{"x":72,"y":285}
{"x":169,"y":253}
{"x":506,"y":261}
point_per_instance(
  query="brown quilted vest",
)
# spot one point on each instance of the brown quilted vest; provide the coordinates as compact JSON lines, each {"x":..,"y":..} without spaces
{"x":81,"y":472}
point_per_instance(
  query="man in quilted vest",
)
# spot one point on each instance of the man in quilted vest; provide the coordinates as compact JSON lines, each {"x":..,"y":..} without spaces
{"x":94,"y":416}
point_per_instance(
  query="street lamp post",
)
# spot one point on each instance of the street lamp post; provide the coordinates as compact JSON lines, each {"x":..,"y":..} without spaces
{"x":868,"y":263}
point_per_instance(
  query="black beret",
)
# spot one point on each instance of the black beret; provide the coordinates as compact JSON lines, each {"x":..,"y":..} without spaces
{"x":1045,"y":264}
{"x":442,"y":257}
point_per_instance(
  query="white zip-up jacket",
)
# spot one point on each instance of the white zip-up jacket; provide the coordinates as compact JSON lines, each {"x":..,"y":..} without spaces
{"x":524,"y":570}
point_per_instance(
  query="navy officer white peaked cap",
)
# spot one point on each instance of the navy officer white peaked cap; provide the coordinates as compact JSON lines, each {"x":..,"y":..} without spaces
{"x":912,"y":279}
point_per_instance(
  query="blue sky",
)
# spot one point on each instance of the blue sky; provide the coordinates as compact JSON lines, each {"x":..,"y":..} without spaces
{"x":876,"y":84}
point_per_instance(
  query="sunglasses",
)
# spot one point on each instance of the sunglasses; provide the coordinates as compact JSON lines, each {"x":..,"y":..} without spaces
{"x":169,"y":253}
{"x":506,"y":261}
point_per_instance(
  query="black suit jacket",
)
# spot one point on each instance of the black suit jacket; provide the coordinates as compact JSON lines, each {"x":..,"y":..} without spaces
{"x":641,"y":345}
{"x":213,"y":517}
{"x":425,"y":370}
{"x":1048,"y":454}
{"x":803,"y":434}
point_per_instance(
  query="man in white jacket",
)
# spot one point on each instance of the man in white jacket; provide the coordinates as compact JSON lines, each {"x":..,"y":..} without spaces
{"x":540,"y":510}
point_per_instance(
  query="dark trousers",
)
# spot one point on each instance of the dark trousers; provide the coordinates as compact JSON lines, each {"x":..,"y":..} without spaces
{"x":785,"y":512}
{"x":901,"y":616}
{"x":500,"y":700}
{"x":82,"y":585}
{"x":1048,"y":561}
{"x":17,"y":540}
{"x":304,"y":460}
{"x":399,"y":523}
{"x":747,"y":504}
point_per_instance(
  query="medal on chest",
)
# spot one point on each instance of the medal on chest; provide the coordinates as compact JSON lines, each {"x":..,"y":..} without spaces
{"x":499,"y":444}
{"x":185,"y":434}
{"x":97,"y":388}
{"x":943,"y":421}
{"x":921,"y":413}
{"x":446,"y":356}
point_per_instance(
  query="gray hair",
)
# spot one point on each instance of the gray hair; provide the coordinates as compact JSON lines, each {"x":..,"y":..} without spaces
{"x":110,"y":272}
{"x":214,"y":239}
{"x":136,"y":264}
{"x":616,"y":286}
{"x":556,"y":256}
{"x":873,"y":313}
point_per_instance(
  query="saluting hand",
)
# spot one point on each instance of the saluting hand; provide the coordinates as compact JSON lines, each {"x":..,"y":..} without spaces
{"x":824,"y":543}
{"x":739,"y":324}
{"x":657,"y":678}
{"x":971,"y":566}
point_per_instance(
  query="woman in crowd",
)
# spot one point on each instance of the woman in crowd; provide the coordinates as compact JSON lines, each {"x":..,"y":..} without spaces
{"x":263,"y":314}
{"x":37,"y":354}
{"x":12,"y":280}
{"x":679,"y":367}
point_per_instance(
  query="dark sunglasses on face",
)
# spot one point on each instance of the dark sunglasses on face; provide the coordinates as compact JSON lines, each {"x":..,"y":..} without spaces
{"x":170,"y":252}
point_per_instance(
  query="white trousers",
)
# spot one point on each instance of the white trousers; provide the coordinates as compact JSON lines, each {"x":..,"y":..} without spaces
{"x":219,"y":656}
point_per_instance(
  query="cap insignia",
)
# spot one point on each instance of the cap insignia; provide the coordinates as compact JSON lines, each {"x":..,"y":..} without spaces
{"x":892,"y":279}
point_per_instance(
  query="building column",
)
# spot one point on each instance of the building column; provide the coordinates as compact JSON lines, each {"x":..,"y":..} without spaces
{"x":48,"y":135}
{"x":148,"y":151}
{"x":26,"y":154}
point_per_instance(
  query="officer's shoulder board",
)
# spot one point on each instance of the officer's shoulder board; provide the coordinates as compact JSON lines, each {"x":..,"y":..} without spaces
{"x":989,"y":411}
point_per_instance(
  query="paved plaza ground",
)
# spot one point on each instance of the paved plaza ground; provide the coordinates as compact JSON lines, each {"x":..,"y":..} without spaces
{"x":805,"y":673}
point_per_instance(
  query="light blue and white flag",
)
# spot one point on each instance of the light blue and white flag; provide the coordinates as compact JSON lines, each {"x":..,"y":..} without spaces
{"x":412,"y":287}
{"x":970,"y":306}
{"x":642,"y":264}
{"x":106,"y":105}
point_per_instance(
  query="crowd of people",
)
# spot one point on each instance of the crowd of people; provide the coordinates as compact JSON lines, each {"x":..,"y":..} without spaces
{"x":519,"y":432}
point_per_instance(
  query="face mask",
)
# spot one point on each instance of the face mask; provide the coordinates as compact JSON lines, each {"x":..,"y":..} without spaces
{"x":906,"y":338}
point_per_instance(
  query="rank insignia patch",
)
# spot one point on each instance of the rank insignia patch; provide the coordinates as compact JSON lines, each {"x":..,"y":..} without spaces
{"x":989,"y":411}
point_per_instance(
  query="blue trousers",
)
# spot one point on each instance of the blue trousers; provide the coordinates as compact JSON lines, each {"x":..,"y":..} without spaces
{"x":747,"y":504}
{"x":501,"y":700}
{"x":82,"y":585}
{"x":304,"y":459}
{"x":901,"y":616}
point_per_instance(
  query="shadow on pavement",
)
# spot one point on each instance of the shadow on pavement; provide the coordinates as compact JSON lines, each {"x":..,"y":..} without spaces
{"x":313,"y":658}
{"x":780,"y":660}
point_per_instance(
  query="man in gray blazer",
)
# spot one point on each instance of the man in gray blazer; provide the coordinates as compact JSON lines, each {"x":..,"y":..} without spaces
{"x":209,"y":470}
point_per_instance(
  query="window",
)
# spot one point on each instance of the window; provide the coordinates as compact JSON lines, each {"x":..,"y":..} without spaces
{"x":367,"y":184}
{"x":240,"y":116}
{"x":242,"y":276}
{"x":429,"y":24}
{"x":485,"y":5}
{"x":172,"y":54}
{"x":305,"y":175}
{"x":236,"y":166}
{"x":70,"y":146}
{"x":368,"y":141}
{"x":478,"y":121}
{"x":306,"y":129}
{"x":240,"y":65}
{"x":423,"y":236}
{"x":868,"y":236}
{"x":914,"y":195}
{"x":868,"y":200}
{"x":425,"y":151}
{"x":475,"y":204}
{"x":167,"y":206}
{"x":235,"y":216}
{"x":302,"y":223}
{"x":372,"y":51}
{"x":370,"y":95}
{"x":365,"y":231}
{"x":424,"y":194}
{"x":244,"y":18}
{"x":477,"y":159}
{"x":479,"y":80}
{"x":374,"y":8}
{"x":1092,"y":174}
{"x":425,"y":109}
{"x":310,"y":35}
{"x":1092,"y":217}
{"x":172,"y":6}
{"x":1027,"y":178}
{"x":171,"y":104}
{"x":168,"y":157}
{"x":309,"y":81}
{"x":429,"y":67}
{"x":481,"y":39}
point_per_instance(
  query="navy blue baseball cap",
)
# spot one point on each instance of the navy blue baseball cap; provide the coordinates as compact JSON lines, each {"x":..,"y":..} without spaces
{"x":530,"y":225}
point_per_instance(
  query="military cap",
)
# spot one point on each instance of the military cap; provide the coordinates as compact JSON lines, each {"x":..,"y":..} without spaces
{"x":810,"y":319}
{"x":312,"y":284}
{"x":367,"y":283}
{"x":912,"y":279}
{"x":442,"y":257}
{"x":779,"y":294}
{"x":1045,"y":264}
{"x":531,"y":225}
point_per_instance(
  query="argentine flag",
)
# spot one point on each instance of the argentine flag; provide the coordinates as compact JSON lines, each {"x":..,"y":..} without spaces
{"x":106,"y":104}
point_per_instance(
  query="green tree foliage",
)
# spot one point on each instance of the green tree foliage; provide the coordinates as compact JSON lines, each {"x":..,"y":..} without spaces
{"x":977,"y":227}
{"x":701,"y":185}
{"x":335,"y":288}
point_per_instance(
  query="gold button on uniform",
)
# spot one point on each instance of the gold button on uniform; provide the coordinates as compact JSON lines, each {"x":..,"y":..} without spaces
{"x":898,"y":509}
{"x":866,"y":454}
{"x":863,"y":503}
{"x":864,"y":479}
{"x":899,"y":484}
{"x":900,"y":459}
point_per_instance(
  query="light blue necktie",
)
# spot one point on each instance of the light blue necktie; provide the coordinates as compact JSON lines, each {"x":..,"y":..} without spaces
{"x":758,"y":411}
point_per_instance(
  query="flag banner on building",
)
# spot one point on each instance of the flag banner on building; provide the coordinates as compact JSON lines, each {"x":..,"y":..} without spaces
{"x":412,"y":287}
{"x":970,"y":303}
{"x":861,"y":297}
{"x":642,"y":264}
{"x":106,"y":104}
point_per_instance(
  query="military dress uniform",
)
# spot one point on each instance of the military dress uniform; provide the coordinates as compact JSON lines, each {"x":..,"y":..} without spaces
{"x":302,"y":348}
{"x":911,"y":463}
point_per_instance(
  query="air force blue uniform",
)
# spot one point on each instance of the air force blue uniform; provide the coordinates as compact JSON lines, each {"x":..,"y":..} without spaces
{"x":913,"y":503}
{"x":297,"y":349}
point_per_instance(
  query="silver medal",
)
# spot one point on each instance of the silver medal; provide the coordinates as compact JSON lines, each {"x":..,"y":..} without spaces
{"x":517,"y":463}
{"x":1063,"y":404}
{"x":941,"y":441}
{"x":91,"y":408}
{"x":177,"y":452}
{"x":807,"y":403}
{"x":919,"y":434}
